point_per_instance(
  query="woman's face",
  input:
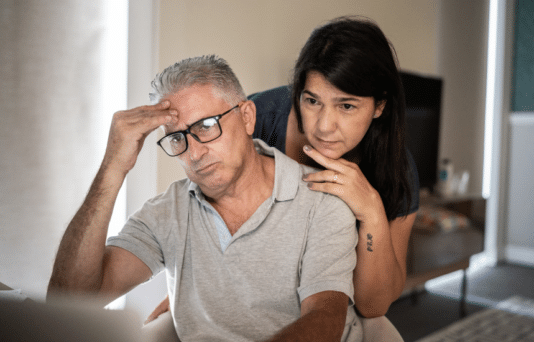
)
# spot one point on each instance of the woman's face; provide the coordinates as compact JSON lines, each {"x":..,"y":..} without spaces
{"x":335,"y":122}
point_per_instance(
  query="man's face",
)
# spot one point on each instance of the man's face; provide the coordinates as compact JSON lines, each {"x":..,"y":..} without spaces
{"x":216,"y":164}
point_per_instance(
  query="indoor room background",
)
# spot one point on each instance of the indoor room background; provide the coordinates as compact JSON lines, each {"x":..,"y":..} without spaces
{"x":55,"y":123}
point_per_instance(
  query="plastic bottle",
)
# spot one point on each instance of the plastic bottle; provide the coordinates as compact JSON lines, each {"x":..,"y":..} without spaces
{"x":446,"y":171}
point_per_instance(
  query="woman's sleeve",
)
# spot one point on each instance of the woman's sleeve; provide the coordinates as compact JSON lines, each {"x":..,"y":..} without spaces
{"x":413,"y":179}
{"x":272,"y":111}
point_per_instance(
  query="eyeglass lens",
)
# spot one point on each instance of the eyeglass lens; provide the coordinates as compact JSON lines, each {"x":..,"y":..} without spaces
{"x":202,"y":131}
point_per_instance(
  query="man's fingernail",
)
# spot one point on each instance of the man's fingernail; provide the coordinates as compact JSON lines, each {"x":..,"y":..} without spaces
{"x":307,"y":148}
{"x":304,"y":176}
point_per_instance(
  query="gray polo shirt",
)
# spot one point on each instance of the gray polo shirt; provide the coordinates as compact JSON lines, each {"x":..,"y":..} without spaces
{"x":297,"y":243}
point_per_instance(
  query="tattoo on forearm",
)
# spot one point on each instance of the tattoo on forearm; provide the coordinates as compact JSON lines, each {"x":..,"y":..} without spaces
{"x":369,"y":242}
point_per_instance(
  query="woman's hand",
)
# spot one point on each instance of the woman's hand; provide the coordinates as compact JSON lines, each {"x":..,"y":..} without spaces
{"x":345,"y":180}
{"x":163,"y":307}
{"x":382,"y":245}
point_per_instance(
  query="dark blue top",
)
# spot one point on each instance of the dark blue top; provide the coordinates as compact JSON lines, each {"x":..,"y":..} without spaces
{"x":272,"y":112}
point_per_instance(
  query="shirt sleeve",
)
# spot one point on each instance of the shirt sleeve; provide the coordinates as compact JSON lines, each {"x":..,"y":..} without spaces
{"x":137,"y":238}
{"x":329,"y":257}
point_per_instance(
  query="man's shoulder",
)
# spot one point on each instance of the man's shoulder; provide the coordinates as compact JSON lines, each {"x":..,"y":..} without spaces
{"x":324,"y":203}
{"x":167,"y":200}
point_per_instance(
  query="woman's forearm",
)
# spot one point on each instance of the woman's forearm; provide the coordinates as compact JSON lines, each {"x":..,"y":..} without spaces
{"x":380,"y":271}
{"x":378,"y":276}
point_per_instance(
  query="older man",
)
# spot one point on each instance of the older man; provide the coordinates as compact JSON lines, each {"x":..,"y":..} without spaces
{"x":250,"y":253}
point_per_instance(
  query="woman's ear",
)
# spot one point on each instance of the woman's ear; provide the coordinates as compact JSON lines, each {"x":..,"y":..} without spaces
{"x":248,"y":113}
{"x":379,"y":108}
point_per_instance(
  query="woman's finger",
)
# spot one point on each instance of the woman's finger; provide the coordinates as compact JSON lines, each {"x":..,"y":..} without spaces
{"x":326,"y":162}
{"x":325,"y":176}
{"x":329,"y":188}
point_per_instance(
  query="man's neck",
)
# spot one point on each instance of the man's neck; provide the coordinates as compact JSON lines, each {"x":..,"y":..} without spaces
{"x":255,"y":184}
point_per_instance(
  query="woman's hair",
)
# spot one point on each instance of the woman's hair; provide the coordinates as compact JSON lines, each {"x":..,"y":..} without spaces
{"x":354,"y":55}
{"x":198,"y":70}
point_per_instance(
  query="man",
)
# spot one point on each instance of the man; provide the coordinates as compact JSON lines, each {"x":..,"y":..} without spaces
{"x":250,"y":253}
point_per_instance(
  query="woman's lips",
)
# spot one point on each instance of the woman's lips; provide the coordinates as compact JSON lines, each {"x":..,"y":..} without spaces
{"x":326,"y":143}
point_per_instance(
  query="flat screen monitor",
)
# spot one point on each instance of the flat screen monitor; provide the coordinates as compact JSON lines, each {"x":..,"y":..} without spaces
{"x":423,"y":114}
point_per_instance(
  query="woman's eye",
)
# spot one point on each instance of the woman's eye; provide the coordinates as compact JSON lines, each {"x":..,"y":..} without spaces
{"x":347,"y":106}
{"x":311,"y":100}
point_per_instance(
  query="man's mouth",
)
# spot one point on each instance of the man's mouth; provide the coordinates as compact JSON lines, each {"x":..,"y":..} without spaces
{"x":203,"y":168}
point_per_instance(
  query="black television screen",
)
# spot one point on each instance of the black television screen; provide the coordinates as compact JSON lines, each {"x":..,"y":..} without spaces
{"x":423,"y":112}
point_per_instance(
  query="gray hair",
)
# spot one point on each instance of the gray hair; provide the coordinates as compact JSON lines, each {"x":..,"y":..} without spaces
{"x":204,"y":70}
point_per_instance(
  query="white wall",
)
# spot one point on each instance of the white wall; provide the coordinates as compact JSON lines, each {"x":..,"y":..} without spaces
{"x":462,"y":54}
{"x":520,"y":235}
{"x":55,"y":117}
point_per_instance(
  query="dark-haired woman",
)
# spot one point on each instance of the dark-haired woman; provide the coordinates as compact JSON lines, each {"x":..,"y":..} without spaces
{"x":344,"y":113}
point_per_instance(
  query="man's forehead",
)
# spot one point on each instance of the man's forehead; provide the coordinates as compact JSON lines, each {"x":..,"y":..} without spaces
{"x":194,"y":103}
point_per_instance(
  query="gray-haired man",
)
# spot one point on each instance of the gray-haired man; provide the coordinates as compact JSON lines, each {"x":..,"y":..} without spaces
{"x":250,"y":253}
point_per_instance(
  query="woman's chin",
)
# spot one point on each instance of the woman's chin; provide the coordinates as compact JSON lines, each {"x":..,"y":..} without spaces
{"x":329,"y":153}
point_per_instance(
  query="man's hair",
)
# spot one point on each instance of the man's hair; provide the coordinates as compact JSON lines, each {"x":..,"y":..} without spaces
{"x":204,"y":70}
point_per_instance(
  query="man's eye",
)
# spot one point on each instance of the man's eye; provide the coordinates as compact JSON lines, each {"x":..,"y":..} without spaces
{"x":347,"y":106}
{"x":176,"y":139}
{"x":207,"y":124}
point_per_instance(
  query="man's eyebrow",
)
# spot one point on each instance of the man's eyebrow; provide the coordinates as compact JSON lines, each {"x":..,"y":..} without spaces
{"x":189,"y":125}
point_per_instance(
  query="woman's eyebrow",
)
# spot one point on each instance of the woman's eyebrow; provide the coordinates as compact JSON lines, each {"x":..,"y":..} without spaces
{"x":345,"y":99}
{"x":305,"y":91}
{"x":336,"y":99}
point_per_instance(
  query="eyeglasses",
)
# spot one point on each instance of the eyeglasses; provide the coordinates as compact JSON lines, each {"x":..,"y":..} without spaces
{"x":203,"y":131}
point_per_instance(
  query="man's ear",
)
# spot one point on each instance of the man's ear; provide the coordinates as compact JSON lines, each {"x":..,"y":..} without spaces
{"x":248,"y":113}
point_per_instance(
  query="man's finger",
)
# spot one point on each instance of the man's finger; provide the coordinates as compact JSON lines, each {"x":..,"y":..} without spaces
{"x":151,"y":120}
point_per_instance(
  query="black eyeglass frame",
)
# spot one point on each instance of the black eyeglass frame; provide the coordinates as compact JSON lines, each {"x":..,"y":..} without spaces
{"x":188,"y":131}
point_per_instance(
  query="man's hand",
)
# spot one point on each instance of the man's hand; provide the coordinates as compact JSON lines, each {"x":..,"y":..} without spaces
{"x":322,"y":318}
{"x":83,"y":263}
{"x":129,"y":130}
{"x":163,"y":307}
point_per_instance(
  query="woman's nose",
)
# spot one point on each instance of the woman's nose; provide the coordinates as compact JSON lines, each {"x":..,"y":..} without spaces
{"x":326,"y":121}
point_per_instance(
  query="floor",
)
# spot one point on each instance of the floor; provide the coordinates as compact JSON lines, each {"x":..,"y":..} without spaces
{"x":438,"y":306}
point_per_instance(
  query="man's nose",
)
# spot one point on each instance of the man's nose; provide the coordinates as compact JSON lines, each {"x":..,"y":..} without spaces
{"x":196,"y":150}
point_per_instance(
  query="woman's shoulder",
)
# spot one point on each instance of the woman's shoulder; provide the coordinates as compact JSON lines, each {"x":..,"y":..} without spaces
{"x":272,"y":102}
{"x":272,"y":96}
{"x":272,"y":112}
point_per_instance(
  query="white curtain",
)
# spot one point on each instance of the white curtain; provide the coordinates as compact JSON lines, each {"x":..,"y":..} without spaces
{"x":55,"y":111}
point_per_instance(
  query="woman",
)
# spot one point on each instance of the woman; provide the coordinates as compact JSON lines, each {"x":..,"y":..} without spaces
{"x":344,"y":113}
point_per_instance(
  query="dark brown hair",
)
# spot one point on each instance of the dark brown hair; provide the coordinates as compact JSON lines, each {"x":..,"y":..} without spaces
{"x":354,"y":55}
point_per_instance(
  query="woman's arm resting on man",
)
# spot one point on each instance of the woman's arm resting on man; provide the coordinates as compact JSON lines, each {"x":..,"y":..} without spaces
{"x":382,"y":245}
